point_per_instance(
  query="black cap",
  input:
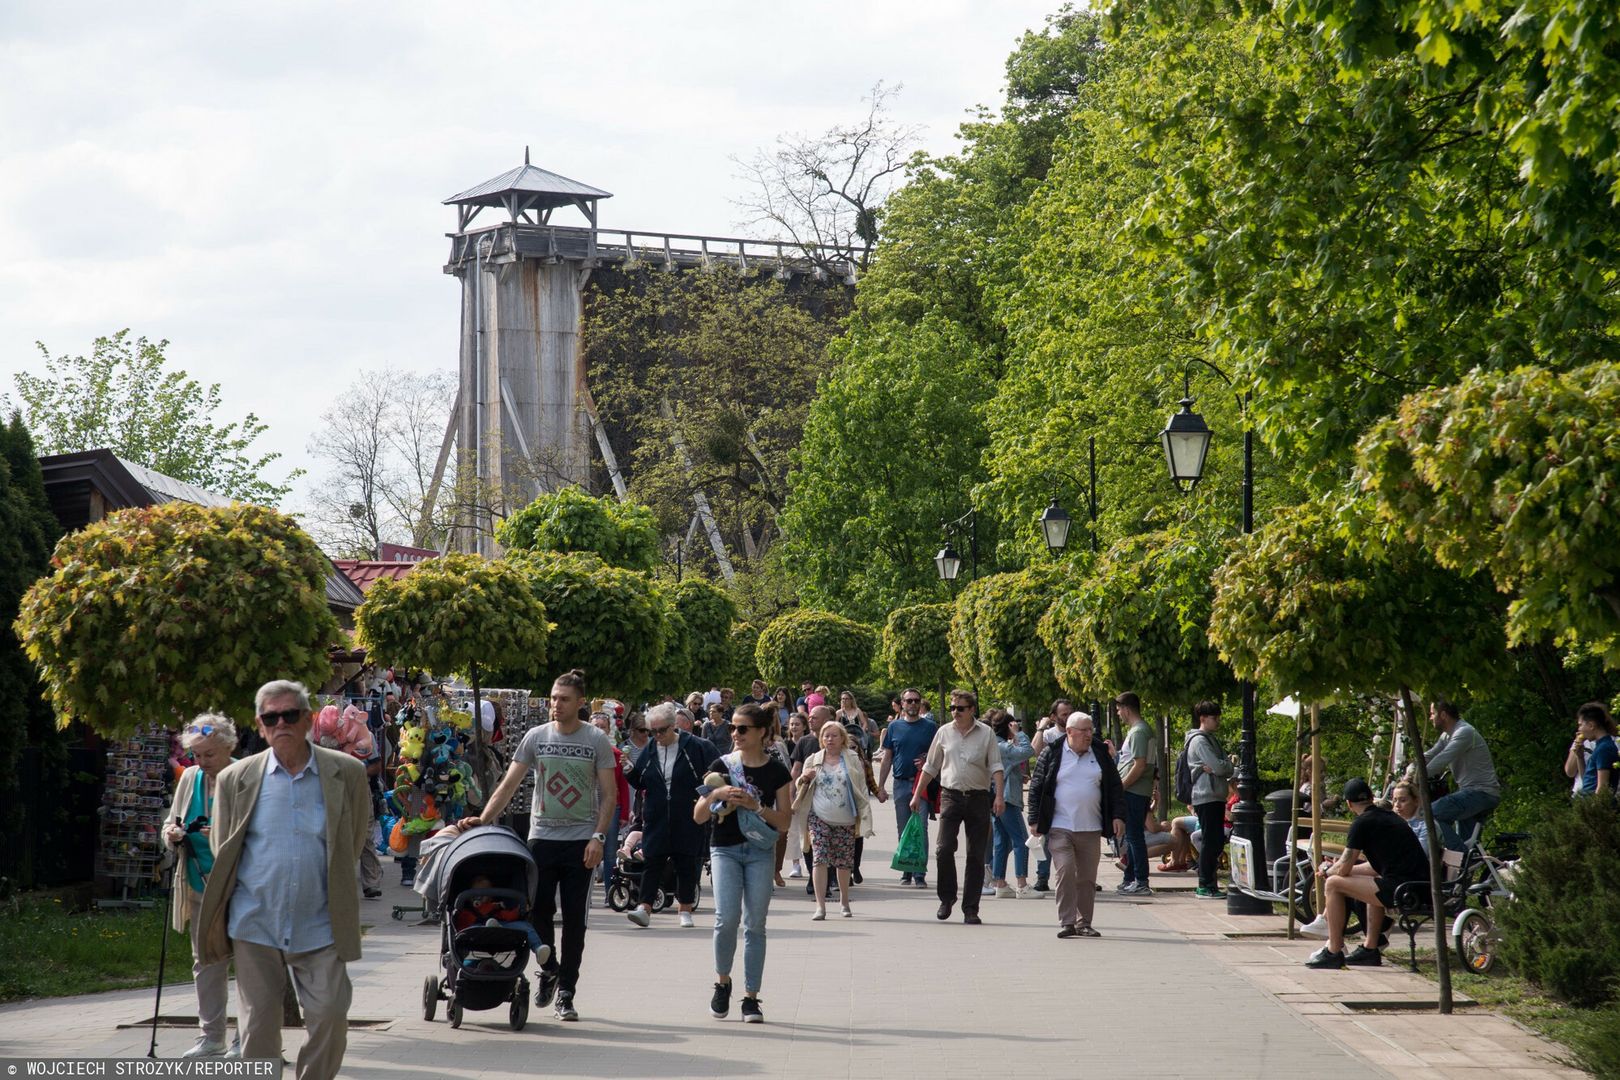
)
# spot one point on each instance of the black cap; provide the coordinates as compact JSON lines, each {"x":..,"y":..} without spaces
{"x":1357,"y":791}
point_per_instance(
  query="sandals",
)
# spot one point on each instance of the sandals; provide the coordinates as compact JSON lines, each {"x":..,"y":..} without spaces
{"x":1175,"y":868}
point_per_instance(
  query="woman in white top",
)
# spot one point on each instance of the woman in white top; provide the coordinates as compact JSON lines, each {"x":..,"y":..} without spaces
{"x":832,"y":803}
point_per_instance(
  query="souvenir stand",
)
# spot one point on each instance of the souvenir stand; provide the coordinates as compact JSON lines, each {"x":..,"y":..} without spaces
{"x":139,"y":773}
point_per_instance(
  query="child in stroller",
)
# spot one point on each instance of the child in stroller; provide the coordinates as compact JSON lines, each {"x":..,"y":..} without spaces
{"x":624,"y":887}
{"x":481,"y":882}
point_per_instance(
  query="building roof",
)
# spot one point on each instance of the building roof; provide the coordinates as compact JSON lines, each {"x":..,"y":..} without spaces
{"x":534,"y":188}
{"x":121,"y":484}
{"x":365,"y":573}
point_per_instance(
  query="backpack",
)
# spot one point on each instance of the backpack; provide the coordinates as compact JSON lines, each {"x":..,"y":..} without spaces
{"x":1184,"y":775}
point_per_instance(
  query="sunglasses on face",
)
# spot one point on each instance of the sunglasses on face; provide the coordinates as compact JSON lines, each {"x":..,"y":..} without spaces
{"x":285,"y":716}
{"x":659,"y":729}
{"x":911,"y":701}
{"x":746,"y":727}
{"x":961,"y":708}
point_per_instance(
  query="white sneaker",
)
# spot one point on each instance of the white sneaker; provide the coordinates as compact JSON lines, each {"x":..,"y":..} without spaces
{"x":797,"y":871}
{"x":1317,"y":927}
{"x":1005,"y":892}
{"x":686,"y":919}
{"x":235,"y":1052}
{"x":640,"y":916}
{"x":1023,"y":892}
{"x":205,"y":1047}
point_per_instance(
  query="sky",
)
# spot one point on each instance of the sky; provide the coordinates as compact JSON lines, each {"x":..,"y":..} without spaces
{"x":261,"y":184}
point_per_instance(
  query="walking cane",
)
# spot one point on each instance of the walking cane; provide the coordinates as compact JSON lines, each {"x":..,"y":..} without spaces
{"x":163,"y":949}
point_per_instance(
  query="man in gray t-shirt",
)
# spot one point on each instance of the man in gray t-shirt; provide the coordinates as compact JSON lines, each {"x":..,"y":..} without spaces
{"x":1463,"y":751}
{"x":575,"y":799}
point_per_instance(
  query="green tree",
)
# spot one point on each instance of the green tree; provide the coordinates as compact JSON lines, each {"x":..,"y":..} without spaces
{"x":993,"y":635}
{"x":742,"y":668}
{"x":1138,"y":623}
{"x":619,"y":533}
{"x":607,"y":621}
{"x":916,"y":645}
{"x":28,"y":531}
{"x":814,"y":645}
{"x":1514,"y":475}
{"x":709,"y":614}
{"x":456,"y":615}
{"x":675,"y":671}
{"x":154,"y":615}
{"x":123,"y":397}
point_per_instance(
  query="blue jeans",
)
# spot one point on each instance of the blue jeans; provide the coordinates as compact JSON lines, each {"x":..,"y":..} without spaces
{"x":742,"y":876}
{"x":902,"y":811}
{"x":1010,"y":836}
{"x":1136,"y":808}
{"x":1459,"y":812}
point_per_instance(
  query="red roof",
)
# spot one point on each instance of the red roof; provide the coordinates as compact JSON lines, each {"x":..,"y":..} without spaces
{"x":366,"y":572}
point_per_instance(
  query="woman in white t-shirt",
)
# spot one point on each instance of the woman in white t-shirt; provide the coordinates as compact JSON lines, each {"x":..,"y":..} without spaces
{"x":832,"y":803}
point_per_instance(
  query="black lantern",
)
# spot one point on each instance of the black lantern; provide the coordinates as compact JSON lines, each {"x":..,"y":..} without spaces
{"x":948,"y":563}
{"x":1186,"y":441}
{"x":1055,"y":527}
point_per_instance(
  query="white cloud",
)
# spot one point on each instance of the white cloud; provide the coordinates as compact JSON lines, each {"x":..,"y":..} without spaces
{"x":261,"y":184}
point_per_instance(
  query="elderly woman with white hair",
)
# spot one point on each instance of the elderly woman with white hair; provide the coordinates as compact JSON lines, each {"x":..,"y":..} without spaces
{"x":667,"y":772}
{"x":210,"y":739}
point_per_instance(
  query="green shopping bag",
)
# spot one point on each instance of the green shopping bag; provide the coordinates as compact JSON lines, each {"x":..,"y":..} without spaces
{"x":911,"y":855}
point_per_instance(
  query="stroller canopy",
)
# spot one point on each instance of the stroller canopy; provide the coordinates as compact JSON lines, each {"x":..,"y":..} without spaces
{"x":493,"y":851}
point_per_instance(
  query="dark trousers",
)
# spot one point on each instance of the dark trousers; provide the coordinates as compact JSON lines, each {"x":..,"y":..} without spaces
{"x":959,"y":811}
{"x":562,"y":871}
{"x":1136,"y":867}
{"x":655,"y":869}
{"x":1212,"y":823}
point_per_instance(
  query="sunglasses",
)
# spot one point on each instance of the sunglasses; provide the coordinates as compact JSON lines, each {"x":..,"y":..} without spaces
{"x":658,"y":729}
{"x":911,"y":701}
{"x":746,"y":727}
{"x":961,"y":708}
{"x":285,"y":716}
{"x":200,"y":729}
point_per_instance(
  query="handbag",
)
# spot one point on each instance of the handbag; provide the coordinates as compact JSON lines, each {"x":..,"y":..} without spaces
{"x":754,"y":828}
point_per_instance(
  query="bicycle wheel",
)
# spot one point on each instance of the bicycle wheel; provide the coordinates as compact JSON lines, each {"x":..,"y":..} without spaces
{"x":1476,"y":942}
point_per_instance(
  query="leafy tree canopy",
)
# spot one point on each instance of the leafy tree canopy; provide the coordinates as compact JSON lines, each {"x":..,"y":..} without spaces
{"x":815,"y":645}
{"x":917,"y":647}
{"x":455,"y":615}
{"x":675,"y":671}
{"x":993,"y":635}
{"x":607,"y":621}
{"x":743,"y":669}
{"x":123,"y":397}
{"x":154,"y":615}
{"x":709,"y":614}
{"x":619,"y":533}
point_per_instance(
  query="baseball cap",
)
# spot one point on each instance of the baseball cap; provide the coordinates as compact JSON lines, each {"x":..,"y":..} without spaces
{"x":1357,"y":791}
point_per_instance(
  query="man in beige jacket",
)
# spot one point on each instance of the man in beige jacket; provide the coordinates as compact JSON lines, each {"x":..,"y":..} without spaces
{"x":288,"y":825}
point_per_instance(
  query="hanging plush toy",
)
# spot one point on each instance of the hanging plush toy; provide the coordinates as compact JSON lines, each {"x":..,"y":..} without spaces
{"x":346,"y":732}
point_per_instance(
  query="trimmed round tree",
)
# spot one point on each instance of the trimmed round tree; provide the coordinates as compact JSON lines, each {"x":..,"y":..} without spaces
{"x":1315,"y":602}
{"x":606,"y":621}
{"x":1514,"y":475}
{"x":674,"y":672}
{"x":619,"y":533}
{"x":916,"y":646}
{"x":154,"y":615}
{"x":456,"y":615}
{"x":709,"y":614}
{"x":993,"y":638}
{"x":817,"y":646}
{"x":1138,"y":623}
{"x":741,"y":667}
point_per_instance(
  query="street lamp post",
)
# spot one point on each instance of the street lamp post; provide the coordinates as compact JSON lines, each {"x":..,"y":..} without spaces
{"x":1055,"y":524}
{"x":1186,"y":440}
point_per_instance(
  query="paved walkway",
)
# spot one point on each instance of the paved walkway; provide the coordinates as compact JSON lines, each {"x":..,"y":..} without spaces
{"x":889,"y":993}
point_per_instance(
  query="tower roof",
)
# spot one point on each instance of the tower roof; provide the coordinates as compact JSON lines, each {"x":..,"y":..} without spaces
{"x":529,"y":187}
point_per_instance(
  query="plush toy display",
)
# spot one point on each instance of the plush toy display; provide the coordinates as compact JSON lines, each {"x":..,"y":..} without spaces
{"x":346,"y":731}
{"x":433,"y":784}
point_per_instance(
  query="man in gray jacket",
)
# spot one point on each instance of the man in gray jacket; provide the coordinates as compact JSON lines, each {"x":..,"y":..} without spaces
{"x":1464,"y":752}
{"x":1210,"y":772}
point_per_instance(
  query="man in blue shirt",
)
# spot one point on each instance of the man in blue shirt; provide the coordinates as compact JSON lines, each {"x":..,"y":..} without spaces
{"x":289,"y":823}
{"x":905,"y":743}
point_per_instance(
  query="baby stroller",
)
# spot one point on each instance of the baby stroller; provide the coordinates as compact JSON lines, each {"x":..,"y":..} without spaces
{"x":482,"y":964}
{"x":624,"y":886}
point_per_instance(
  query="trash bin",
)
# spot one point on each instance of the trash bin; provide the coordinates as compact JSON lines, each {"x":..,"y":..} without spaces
{"x":1278,"y":818}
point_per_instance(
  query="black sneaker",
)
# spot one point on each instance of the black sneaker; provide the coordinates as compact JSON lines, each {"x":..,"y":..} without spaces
{"x":1069,"y":931}
{"x":372,"y":894}
{"x":905,"y":879}
{"x":1361,"y":956}
{"x":855,"y":876}
{"x":1323,"y":958}
{"x":1041,"y":885}
{"x":750,"y":1011}
{"x":545,"y":989}
{"x":565,"y":1007}
{"x":407,"y":881}
{"x":720,"y":1003}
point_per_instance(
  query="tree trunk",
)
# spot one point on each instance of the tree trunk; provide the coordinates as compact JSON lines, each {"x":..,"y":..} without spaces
{"x":1442,"y":956}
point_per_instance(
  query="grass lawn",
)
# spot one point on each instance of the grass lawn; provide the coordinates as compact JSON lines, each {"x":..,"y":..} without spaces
{"x":52,"y":952}
{"x":1589,"y":1035}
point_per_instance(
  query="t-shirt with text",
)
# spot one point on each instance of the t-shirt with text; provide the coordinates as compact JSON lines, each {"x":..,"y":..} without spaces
{"x":565,"y":768}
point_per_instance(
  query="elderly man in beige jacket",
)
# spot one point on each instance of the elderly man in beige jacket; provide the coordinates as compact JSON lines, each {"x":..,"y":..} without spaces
{"x":288,"y":825}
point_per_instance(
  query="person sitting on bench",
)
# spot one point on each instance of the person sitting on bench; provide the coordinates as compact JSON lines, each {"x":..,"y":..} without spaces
{"x":1396,"y":858}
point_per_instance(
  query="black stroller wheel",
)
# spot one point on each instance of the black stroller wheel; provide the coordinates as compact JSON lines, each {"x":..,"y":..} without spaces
{"x":455,"y":1013}
{"x":697,"y":896}
{"x":662,"y":899}
{"x":618,"y":895}
{"x":430,"y":997}
{"x":519,"y":1014}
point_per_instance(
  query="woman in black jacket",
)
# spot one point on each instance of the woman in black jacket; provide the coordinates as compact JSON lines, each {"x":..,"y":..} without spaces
{"x":668,"y":771}
{"x":1073,"y":820}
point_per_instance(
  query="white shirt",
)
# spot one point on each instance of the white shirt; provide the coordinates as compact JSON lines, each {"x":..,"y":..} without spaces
{"x":1077,"y":802}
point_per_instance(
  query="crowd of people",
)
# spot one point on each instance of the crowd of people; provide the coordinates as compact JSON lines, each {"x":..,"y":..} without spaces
{"x":271,"y":844}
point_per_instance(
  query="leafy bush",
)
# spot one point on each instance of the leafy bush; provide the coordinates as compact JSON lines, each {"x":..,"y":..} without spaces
{"x":814,"y":645}
{"x":741,"y":668}
{"x":674,"y":674}
{"x":708,"y":613}
{"x":620,"y":534}
{"x":1138,"y":623}
{"x":917,"y":647}
{"x":993,"y":635}
{"x":608,"y":621}
{"x":154,"y":615}
{"x":454,"y":615}
{"x":1559,"y":930}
